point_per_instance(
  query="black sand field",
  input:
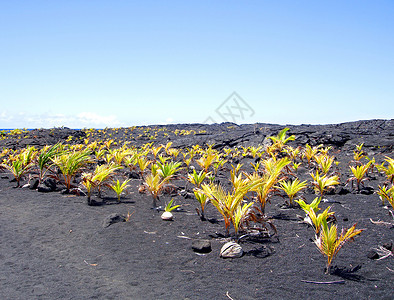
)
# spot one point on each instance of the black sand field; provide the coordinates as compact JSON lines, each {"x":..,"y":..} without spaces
{"x":55,"y":246}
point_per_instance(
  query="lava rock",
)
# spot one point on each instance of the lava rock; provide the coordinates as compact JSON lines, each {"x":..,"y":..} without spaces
{"x":112,"y":219}
{"x":388,"y":246}
{"x":373,"y":254}
{"x":343,"y":191}
{"x":42,"y":188}
{"x":50,"y":183}
{"x":201,"y":246}
{"x":34,"y":184}
{"x":134,"y":175}
{"x":368,"y":190}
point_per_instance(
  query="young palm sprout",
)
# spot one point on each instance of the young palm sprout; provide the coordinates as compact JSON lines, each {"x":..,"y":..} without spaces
{"x":143,"y":163}
{"x":358,"y":153}
{"x":310,"y":152}
{"x":228,"y":202}
{"x":239,"y":215}
{"x":389,"y":170}
{"x":291,"y":188}
{"x":131,"y":161}
{"x":155,"y":183}
{"x":119,"y":188}
{"x":197,"y":178}
{"x":173,"y":152}
{"x":45,"y":158}
{"x":168,"y":169}
{"x":20,"y":164}
{"x":272,"y":175}
{"x":167,"y":215}
{"x":217,"y":164}
{"x":156,"y":150}
{"x":202,"y":199}
{"x":291,"y":152}
{"x":102,"y":174}
{"x":329,"y":243}
{"x":359,"y":174}
{"x":310,"y":210}
{"x":70,"y":163}
{"x":89,"y":185}
{"x":206,"y":161}
{"x":323,"y":183}
{"x":386,"y":194}
{"x":324,"y":162}
{"x":280,"y":140}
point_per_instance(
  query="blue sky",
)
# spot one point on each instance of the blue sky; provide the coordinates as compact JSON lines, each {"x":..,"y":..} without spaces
{"x":123,"y":63}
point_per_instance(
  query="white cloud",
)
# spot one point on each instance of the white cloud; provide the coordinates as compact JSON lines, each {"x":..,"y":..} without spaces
{"x":97,"y":120}
{"x":50,"y":120}
{"x":5,"y":117}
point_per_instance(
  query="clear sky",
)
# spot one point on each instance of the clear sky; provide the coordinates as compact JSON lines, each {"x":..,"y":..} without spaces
{"x":123,"y":63}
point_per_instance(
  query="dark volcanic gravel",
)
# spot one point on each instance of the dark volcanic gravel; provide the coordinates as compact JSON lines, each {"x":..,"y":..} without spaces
{"x":55,"y":246}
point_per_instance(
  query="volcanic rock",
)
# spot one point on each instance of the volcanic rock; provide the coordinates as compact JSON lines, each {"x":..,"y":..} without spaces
{"x":201,"y":246}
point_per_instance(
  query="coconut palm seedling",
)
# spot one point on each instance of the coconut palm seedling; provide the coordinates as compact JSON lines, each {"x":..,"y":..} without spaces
{"x":307,"y":207}
{"x":358,"y":154}
{"x":89,"y":185}
{"x":70,"y":163}
{"x":245,"y":151}
{"x":324,"y":162}
{"x":102,"y":174}
{"x":167,"y":146}
{"x":130,"y":160}
{"x":323,"y":183}
{"x":228,"y":202}
{"x":20,"y":164}
{"x":92,"y":146}
{"x":274,"y":165}
{"x":155,"y":150}
{"x":206,"y":160}
{"x":310,"y":152}
{"x":295,"y":166}
{"x":317,"y":219}
{"x":218,"y":163}
{"x":389,"y":170}
{"x":239,"y":180}
{"x":119,"y":188}
{"x":203,"y":200}
{"x":197,"y":178}
{"x":45,"y":157}
{"x":155,"y":184}
{"x":168,"y":169}
{"x":100,"y":153}
{"x":255,"y":166}
{"x":187,"y":159}
{"x":386,"y":194}
{"x":173,"y":152}
{"x":359,"y":174}
{"x":167,"y":214}
{"x":291,"y":152}
{"x":280,"y":140}
{"x":108,"y":144}
{"x":163,"y":159}
{"x":291,"y":188}
{"x":255,"y":151}
{"x":117,"y":155}
{"x":272,"y":175}
{"x":143,"y":163}
{"x":239,"y":216}
{"x":329,"y":243}
{"x":312,"y":218}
